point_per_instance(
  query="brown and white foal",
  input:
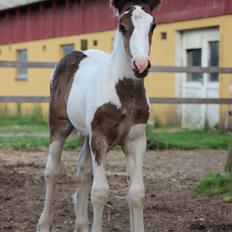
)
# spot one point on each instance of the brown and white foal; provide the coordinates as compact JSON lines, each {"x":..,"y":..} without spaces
{"x":103,"y":97}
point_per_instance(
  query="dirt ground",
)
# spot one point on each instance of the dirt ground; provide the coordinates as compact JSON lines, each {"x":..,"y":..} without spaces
{"x":171,"y":204}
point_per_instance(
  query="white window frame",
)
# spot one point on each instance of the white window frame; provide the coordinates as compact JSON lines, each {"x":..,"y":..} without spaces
{"x":20,"y":75}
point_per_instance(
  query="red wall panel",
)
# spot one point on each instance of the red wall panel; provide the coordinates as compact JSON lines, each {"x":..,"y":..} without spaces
{"x":56,"y":18}
{"x":51,"y":20}
{"x":179,"y":10}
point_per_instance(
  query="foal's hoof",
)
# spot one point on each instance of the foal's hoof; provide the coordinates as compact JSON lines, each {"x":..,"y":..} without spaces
{"x":81,"y":226}
{"x":81,"y":230}
{"x":43,"y":228}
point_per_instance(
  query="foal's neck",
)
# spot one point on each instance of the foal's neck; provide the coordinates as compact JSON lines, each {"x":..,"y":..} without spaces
{"x":120,"y":59}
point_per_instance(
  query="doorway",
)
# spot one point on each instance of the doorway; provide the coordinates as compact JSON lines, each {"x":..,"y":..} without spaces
{"x":200,"y":48}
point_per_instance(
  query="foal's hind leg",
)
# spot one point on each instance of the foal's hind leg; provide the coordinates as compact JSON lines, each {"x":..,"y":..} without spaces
{"x":58,"y":137}
{"x":84,"y":174}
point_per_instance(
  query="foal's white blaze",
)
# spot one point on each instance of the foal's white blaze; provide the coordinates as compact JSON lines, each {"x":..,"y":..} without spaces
{"x":139,"y":42}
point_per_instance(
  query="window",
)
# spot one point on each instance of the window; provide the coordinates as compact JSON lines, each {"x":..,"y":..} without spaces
{"x":194,"y":59}
{"x":163,"y":35}
{"x":84,"y":44}
{"x":95,"y":43}
{"x":67,"y":49}
{"x":22,"y":57}
{"x":214,"y":59}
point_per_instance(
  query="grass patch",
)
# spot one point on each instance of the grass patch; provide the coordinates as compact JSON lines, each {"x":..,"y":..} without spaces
{"x":31,"y":121}
{"x":214,"y":184}
{"x":31,"y":131}
{"x":184,"y":139}
{"x":27,"y":142}
{"x":21,"y":126}
{"x":27,"y":123}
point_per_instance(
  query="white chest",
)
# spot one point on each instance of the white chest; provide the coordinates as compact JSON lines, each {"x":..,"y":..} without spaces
{"x":91,"y":89}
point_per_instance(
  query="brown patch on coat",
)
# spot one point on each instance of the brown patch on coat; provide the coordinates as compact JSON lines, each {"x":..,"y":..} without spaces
{"x":60,"y":88}
{"x":110,"y":125}
{"x":132,"y":95}
{"x":126,"y":21}
{"x":106,"y":129}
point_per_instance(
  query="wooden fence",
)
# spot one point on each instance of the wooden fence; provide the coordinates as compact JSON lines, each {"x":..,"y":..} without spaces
{"x":163,"y":69}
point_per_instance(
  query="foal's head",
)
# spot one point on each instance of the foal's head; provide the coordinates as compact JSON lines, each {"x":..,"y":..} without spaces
{"x":136,"y":24}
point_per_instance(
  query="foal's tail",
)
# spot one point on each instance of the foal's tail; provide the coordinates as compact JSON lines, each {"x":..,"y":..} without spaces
{"x":84,"y":173}
{"x":84,"y":166}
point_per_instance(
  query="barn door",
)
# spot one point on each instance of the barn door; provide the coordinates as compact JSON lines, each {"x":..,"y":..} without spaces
{"x":200,"y":48}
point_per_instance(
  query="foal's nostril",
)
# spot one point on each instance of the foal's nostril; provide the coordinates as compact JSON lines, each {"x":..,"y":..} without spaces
{"x":141,"y":64}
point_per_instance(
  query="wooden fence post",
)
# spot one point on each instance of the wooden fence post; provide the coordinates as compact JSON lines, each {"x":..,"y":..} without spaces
{"x":228,"y":167}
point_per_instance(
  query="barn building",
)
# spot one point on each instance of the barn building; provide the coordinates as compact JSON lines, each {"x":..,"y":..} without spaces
{"x":189,"y":32}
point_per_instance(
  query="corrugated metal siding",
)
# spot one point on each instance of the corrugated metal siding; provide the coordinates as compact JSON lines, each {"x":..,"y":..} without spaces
{"x":55,"y":19}
{"x":47,"y":21}
{"x":173,"y":10}
{"x":16,"y":3}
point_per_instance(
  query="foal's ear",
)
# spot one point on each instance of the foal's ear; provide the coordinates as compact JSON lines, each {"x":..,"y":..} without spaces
{"x":119,"y":4}
{"x":152,"y":3}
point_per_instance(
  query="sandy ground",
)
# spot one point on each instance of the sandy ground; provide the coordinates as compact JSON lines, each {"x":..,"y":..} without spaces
{"x":171,"y":204}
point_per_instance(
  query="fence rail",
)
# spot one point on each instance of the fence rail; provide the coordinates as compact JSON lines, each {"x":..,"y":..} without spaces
{"x":24,"y":99}
{"x":16,"y":64}
{"x":163,"y":69}
{"x":45,"y":99}
{"x":171,"y":69}
{"x":216,"y":101}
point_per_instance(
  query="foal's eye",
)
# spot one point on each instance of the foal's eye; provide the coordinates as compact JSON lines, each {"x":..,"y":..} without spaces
{"x":122,"y":29}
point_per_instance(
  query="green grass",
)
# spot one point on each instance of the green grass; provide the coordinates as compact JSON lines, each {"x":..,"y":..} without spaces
{"x":214,"y":184}
{"x":15,"y":126}
{"x":184,"y":139}
{"x":31,"y":131}
{"x":30,"y":122}
{"x":31,"y":142}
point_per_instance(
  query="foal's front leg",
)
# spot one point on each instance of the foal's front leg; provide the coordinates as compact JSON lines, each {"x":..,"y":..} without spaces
{"x":51,"y":172}
{"x":134,"y":148}
{"x":100,"y":188}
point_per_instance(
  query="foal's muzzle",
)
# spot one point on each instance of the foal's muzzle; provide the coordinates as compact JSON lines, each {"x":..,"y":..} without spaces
{"x":141,"y":67}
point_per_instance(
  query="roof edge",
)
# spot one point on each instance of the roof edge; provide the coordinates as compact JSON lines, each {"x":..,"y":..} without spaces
{"x":12,"y":4}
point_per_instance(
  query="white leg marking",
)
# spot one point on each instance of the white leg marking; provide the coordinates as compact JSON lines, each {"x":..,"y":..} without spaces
{"x":134,"y":148}
{"x":51,"y":173}
{"x":84,"y":173}
{"x":99,"y":193}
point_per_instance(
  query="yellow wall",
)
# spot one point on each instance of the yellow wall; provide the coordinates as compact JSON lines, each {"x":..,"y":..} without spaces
{"x":158,"y":84}
{"x":164,"y":53}
{"x":38,"y":81}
